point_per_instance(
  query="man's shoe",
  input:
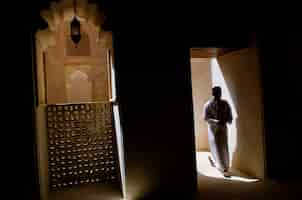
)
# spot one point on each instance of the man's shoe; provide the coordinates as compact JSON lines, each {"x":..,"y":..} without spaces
{"x":226,"y":174}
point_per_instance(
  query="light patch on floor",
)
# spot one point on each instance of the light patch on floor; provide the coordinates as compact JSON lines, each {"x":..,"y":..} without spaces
{"x":205,"y":168}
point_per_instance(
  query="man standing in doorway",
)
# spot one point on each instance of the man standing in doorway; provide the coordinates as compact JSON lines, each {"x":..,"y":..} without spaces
{"x":217,"y":113}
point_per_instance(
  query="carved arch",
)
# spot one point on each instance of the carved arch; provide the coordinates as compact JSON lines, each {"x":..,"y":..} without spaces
{"x":63,"y":11}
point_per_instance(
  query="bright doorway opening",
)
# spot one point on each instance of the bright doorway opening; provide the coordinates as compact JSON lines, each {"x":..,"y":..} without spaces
{"x":237,"y":73}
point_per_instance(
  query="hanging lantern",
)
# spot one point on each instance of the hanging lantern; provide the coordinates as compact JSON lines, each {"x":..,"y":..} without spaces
{"x":75,"y":27}
{"x":75,"y":30}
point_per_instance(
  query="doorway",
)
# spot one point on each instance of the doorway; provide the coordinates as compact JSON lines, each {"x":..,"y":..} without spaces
{"x":237,"y":72}
{"x":78,"y":133}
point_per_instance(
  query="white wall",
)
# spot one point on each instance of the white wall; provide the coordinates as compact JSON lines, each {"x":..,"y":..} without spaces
{"x":201,"y":89}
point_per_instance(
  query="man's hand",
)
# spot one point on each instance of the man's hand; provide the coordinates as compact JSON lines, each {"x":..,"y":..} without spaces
{"x":221,"y":122}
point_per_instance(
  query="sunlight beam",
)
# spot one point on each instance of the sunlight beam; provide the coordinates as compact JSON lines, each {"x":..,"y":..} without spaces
{"x":218,"y":79}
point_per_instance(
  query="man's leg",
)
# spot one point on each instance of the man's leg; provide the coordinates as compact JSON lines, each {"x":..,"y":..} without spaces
{"x":212,"y":162}
{"x":214,"y":158}
{"x":225,"y":157}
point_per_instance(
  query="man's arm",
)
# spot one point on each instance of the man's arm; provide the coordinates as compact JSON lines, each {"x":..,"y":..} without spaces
{"x":229,"y":114}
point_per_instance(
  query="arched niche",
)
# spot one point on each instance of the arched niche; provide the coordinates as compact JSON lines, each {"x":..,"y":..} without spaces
{"x":79,"y":86}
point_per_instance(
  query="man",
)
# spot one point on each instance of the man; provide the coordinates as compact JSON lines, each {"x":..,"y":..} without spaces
{"x":217,"y":113}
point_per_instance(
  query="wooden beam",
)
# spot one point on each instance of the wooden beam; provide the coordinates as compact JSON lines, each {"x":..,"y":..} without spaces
{"x":204,"y":52}
{"x":211,"y":52}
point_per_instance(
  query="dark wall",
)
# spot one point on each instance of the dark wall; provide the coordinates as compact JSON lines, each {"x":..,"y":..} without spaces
{"x":17,"y":116}
{"x":156,"y":105}
{"x":19,"y":175}
{"x":281,"y":61}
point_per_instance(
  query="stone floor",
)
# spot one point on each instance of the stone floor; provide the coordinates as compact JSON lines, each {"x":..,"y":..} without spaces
{"x":212,"y":185}
{"x":89,"y":192}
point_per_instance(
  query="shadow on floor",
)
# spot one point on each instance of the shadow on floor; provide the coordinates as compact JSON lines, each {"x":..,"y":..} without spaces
{"x":163,"y":194}
{"x":88,"y":192}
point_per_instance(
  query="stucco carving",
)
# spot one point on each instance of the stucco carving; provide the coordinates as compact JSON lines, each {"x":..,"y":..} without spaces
{"x":63,"y":12}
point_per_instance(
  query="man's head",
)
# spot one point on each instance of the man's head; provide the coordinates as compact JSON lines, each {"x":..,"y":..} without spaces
{"x":216,"y":92}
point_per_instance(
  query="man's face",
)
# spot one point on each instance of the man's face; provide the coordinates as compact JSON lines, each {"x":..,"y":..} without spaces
{"x":216,"y":92}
